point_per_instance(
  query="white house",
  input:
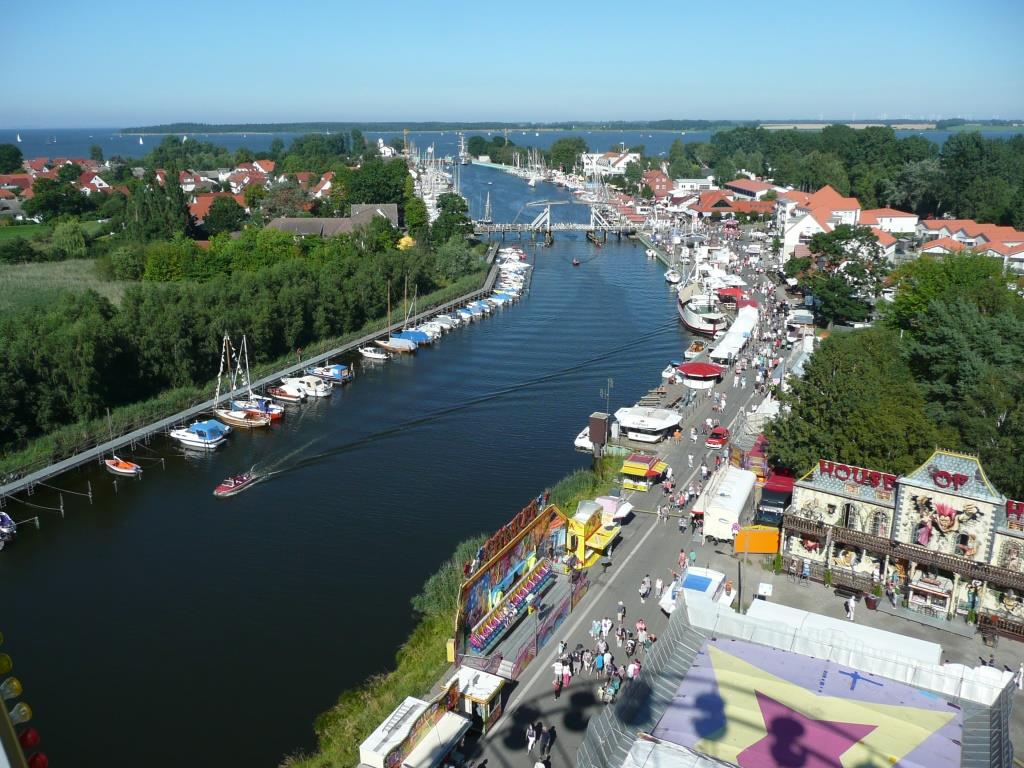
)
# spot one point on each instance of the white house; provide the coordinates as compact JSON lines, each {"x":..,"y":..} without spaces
{"x":384,"y":150}
{"x":889,"y":220}
{"x":749,"y":189}
{"x":607,"y":163}
{"x":801,"y":215}
{"x":89,"y":182}
{"x":682,"y":187}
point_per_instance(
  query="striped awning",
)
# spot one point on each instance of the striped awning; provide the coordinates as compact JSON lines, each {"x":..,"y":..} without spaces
{"x":653,"y":467}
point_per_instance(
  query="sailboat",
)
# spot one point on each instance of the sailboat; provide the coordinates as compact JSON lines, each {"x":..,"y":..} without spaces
{"x":486,"y":218}
{"x":253,"y":403}
{"x":394,"y":343}
{"x":231,"y":416}
{"x":140,"y":140}
{"x":18,"y":138}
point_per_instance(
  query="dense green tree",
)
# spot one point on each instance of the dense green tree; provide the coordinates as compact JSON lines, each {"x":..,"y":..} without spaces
{"x":378,"y":181}
{"x":10,"y":158}
{"x":452,"y":220}
{"x":276,"y":148}
{"x":358,"y":142}
{"x":18,"y":250}
{"x":416,"y":219}
{"x":52,"y":199}
{"x":127,"y":262}
{"x":225,"y":215}
{"x":565,"y":153}
{"x":835,"y":299}
{"x":243,"y":155}
{"x":928,"y":279}
{"x":282,"y":200}
{"x":634,"y":173}
{"x":96,"y":153}
{"x":855,"y":253}
{"x":69,"y":173}
{"x":476,"y":146}
{"x":68,"y":241}
{"x":855,"y":397}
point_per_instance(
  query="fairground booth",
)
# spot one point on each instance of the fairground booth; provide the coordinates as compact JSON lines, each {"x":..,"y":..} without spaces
{"x":589,"y":532}
{"x":942,"y":538}
{"x":520,"y":591}
{"x":418,"y":734}
{"x":640,"y":471}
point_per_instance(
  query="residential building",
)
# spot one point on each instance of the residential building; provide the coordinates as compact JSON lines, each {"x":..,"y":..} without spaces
{"x":692,"y":186}
{"x":659,"y":182}
{"x":800,"y":216}
{"x":942,"y":246}
{"x":607,"y":163}
{"x":890,"y":220}
{"x":330,"y":226}
{"x":749,"y":189}
{"x":266,"y":167}
{"x":89,"y":182}
{"x":323,"y":187}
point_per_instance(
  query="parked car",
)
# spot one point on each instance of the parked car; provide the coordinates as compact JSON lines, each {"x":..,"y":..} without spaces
{"x":718,"y":438}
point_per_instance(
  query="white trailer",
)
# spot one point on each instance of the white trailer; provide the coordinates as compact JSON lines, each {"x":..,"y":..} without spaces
{"x":724,"y":501}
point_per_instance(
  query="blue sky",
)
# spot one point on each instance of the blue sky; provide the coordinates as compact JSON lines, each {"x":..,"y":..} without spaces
{"x":71,"y":63}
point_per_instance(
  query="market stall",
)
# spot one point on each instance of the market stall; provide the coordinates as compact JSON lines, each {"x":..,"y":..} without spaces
{"x":482,"y":696}
{"x":417,"y":734}
{"x":640,"y":472}
{"x":587,"y":537}
{"x":697,"y":375}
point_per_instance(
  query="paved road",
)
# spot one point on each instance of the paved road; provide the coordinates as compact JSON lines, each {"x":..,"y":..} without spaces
{"x":648,"y":546}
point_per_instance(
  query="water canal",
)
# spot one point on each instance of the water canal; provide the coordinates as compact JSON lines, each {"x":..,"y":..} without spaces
{"x":165,"y":625}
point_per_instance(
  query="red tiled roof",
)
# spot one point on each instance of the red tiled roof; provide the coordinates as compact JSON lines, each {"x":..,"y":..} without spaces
{"x":37,"y":163}
{"x":201,"y":205}
{"x":827,"y":196}
{"x":21,"y":180}
{"x":800,"y":198}
{"x":749,"y":185}
{"x":265,"y":166}
{"x":884,"y":237}
{"x":948,"y":244}
{"x":6,"y":194}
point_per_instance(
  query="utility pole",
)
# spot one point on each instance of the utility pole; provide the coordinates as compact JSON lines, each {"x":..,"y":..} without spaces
{"x":606,"y":393}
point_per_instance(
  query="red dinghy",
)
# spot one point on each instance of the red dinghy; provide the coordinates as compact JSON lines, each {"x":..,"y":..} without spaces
{"x":236,"y":484}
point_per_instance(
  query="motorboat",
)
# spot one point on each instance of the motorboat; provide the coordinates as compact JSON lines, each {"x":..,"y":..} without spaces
{"x":575,"y":262}
{"x":419,"y":338}
{"x":241,"y":419}
{"x":671,"y":370}
{"x":582,"y":441}
{"x":702,"y":314}
{"x":261,"y":406}
{"x":650,"y":253}
{"x":202,"y":434}
{"x":447,"y":321}
{"x":8,"y":528}
{"x":310,"y":386}
{"x":117,"y":466}
{"x":466,"y":315}
{"x":286,"y":394}
{"x":229,"y":486}
{"x":336,"y":373}
{"x":672,"y":277}
{"x":695,"y":350}
{"x":647,"y":425}
{"x":375,"y":354}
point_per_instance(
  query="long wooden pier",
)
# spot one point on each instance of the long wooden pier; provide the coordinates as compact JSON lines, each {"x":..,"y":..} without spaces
{"x":96,"y":453}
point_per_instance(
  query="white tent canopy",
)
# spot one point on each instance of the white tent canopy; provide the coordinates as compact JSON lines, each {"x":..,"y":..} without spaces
{"x":737,"y":336}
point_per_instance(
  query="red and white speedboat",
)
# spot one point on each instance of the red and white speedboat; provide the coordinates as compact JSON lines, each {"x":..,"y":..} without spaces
{"x":260,"y":406}
{"x":235,"y":484}
{"x":286,"y":394}
{"x":118,"y":466}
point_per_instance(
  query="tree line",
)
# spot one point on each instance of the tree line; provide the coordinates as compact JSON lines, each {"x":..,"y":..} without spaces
{"x":944,"y":366}
{"x":66,"y":361}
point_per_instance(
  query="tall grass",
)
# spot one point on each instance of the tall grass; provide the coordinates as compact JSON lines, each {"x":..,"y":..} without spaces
{"x":421,"y":661}
{"x":32,"y":285}
{"x":75,"y":438}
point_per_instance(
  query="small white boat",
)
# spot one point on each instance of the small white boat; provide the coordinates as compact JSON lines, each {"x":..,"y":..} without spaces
{"x":672,"y":277}
{"x":286,"y":394}
{"x":241,"y":419}
{"x":311,"y":386}
{"x":446,"y":321}
{"x":695,"y":350}
{"x":118,"y":466}
{"x":140,"y":140}
{"x":393,"y":344}
{"x":373,"y":353}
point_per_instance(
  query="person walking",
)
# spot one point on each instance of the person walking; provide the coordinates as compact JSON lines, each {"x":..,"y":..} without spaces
{"x":659,"y":586}
{"x":544,"y":741}
{"x":531,"y":738}
{"x":620,"y":613}
{"x":599,"y":664}
{"x":566,"y":675}
{"x":620,"y":635}
{"x":851,"y":606}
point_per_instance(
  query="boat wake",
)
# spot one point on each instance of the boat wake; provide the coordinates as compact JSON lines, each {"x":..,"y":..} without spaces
{"x":440,"y":413}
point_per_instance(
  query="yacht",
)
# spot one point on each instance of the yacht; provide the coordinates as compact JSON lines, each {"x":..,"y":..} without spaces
{"x":372,"y":353}
{"x":672,"y":277}
{"x":647,"y":425}
{"x":702,"y":314}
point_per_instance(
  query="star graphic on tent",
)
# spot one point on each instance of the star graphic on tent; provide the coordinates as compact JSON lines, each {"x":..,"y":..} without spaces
{"x":793,"y":739}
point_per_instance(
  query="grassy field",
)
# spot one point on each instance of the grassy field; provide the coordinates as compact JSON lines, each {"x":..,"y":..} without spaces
{"x":28,"y":231}
{"x":38,"y":231}
{"x":24,"y":285}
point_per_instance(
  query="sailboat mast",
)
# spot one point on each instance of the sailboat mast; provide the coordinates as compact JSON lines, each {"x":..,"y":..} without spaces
{"x":220,"y":371}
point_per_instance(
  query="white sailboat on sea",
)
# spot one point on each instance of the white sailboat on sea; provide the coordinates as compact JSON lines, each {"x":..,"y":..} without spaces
{"x":140,"y":140}
{"x":486,"y":218}
{"x":18,"y":138}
